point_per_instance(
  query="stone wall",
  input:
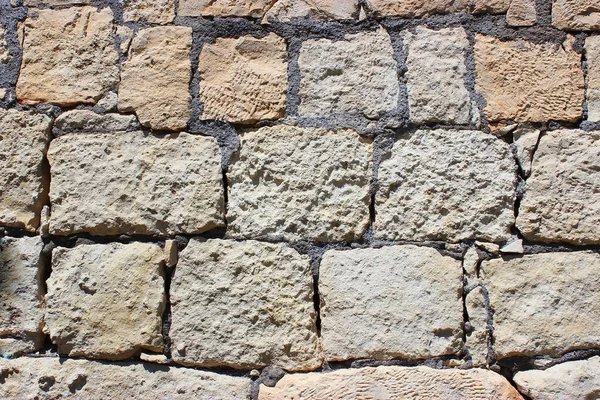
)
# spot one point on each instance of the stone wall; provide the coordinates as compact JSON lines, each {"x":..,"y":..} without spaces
{"x":300,"y":199}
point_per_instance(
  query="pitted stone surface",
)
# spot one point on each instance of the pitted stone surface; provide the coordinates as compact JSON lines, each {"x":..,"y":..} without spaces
{"x":399,"y":301}
{"x":523,"y":81}
{"x":421,"y":8}
{"x":223,"y":8}
{"x":153,"y":11}
{"x":106,"y":301}
{"x":80,"y":121}
{"x":571,"y":380}
{"x":49,"y":378}
{"x":5,"y":56}
{"x":69,"y":56}
{"x":446,"y":185}
{"x":24,"y":137}
{"x":592,"y":54}
{"x":156,"y":76}
{"x":387,"y":383}
{"x":243,"y":305}
{"x":544,"y":304}
{"x":295,"y":183}
{"x":356,"y":75}
{"x":142,"y":184}
{"x":37,"y":3}
{"x":521,"y":13}
{"x":22,"y":314}
{"x":244,"y":80}
{"x":478,"y":338}
{"x":562,"y":195}
{"x":577,"y":15}
{"x":322,"y":10}
{"x":436,"y":76}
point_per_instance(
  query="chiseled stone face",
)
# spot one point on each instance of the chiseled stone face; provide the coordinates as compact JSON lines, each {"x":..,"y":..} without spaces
{"x":24,"y":138}
{"x":400,"y":301}
{"x":106,"y":301}
{"x":223,"y":8}
{"x":523,"y":81}
{"x":577,"y":15}
{"x":155,"y":78}
{"x":243,"y":305}
{"x":592,"y":54}
{"x":544,"y":304}
{"x":388,"y":383}
{"x":154,"y":11}
{"x":324,"y":10}
{"x":446,"y":185}
{"x":54,"y":378}
{"x":86,"y":121}
{"x":243,"y":80}
{"x":129,"y":182}
{"x":69,"y":56}
{"x":295,"y":183}
{"x":521,"y":13}
{"x":354,"y":75}
{"x":421,"y":8}
{"x":562,"y":195}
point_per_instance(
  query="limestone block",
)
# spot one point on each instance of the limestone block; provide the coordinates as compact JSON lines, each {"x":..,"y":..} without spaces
{"x":355,"y":75}
{"x":327,"y":10}
{"x":223,"y":8}
{"x":153,"y":11}
{"x":85,"y":121}
{"x":155,"y":78}
{"x":577,"y":15}
{"x":525,"y":142}
{"x":521,"y":13}
{"x":142,"y":184}
{"x":243,"y":305}
{"x":244,"y":80}
{"x":592,"y":54}
{"x":478,"y":338}
{"x":544,"y":304}
{"x":52,"y":3}
{"x":562,"y":195}
{"x":421,"y":8}
{"x":296,"y":183}
{"x":106,"y":301}
{"x":69,"y":56}
{"x":446,"y":185}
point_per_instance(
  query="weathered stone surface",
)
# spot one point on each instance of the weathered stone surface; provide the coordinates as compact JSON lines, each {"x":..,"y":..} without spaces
{"x":592,"y":53}
{"x":156,"y":76}
{"x":562,"y":195}
{"x":521,"y":13}
{"x":80,"y":121}
{"x":544,"y":304}
{"x":22,"y":313}
{"x":69,"y":56}
{"x":420,"y":8}
{"x":577,"y":15}
{"x":571,"y":380}
{"x":399,"y":301}
{"x":50,"y":378}
{"x":106,"y":301}
{"x":141,"y":184}
{"x":124,"y":35}
{"x":446,"y":185}
{"x":478,"y":337}
{"x":36,"y":3}
{"x":355,"y":75}
{"x":523,"y":81}
{"x":5,"y":56}
{"x":387,"y":383}
{"x":243,"y":305}
{"x":525,"y":142}
{"x":515,"y":247}
{"x":436,"y":76}
{"x":24,"y":137}
{"x":108,"y":102}
{"x":223,"y":8}
{"x":295,"y":183}
{"x":244,"y":80}
{"x":328,"y":10}
{"x":154,"y":11}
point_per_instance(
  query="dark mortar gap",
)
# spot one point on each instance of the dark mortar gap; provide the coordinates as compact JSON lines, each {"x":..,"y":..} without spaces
{"x":470,"y":82}
{"x":435,"y":362}
{"x":166,"y":317}
{"x":540,"y":362}
{"x":317,"y":303}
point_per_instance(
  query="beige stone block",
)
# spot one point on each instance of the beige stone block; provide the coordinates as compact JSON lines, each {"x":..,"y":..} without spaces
{"x":592,"y":55}
{"x":153,"y":11}
{"x":576,"y":15}
{"x":521,"y":13}
{"x":85,"y":121}
{"x":478,"y":338}
{"x":324,"y":10}
{"x":223,"y":8}
{"x":421,"y":8}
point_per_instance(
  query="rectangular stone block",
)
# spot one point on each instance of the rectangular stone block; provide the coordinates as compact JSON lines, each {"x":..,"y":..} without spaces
{"x":324,"y":10}
{"x":592,"y":55}
{"x":152,"y":11}
{"x":133,"y":183}
{"x":576,"y":15}
{"x":223,"y":8}
{"x":291,"y":183}
{"x":106,"y":301}
{"x":544,"y":304}
{"x":421,"y":8}
{"x":243,"y":305}
{"x":562,"y":196}
{"x":398,"y":301}
{"x":24,"y":138}
{"x":478,"y":338}
{"x":446,"y":185}
{"x":528,"y":82}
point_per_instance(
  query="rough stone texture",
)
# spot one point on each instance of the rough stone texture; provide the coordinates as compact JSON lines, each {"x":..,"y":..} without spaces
{"x":69,"y":56}
{"x":523,"y":81}
{"x":592,"y":53}
{"x":290,"y":183}
{"x":24,"y":137}
{"x":223,"y":8}
{"x":37,"y":3}
{"x":22,"y":314}
{"x":521,"y":13}
{"x":156,"y":76}
{"x":562,"y":195}
{"x":80,"y":121}
{"x":400,"y":301}
{"x":153,"y":11}
{"x":106,"y":301}
{"x":420,"y":8}
{"x":356,"y":75}
{"x":571,"y":380}
{"x":578,"y":15}
{"x":545,"y":304}
{"x":436,"y":73}
{"x":288,"y":10}
{"x":50,"y":378}
{"x":5,"y":56}
{"x":142,"y":184}
{"x":478,"y":337}
{"x":244,"y":80}
{"x":446,"y":185}
{"x":243,"y":305}
{"x":387,"y":383}
{"x":525,"y":142}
